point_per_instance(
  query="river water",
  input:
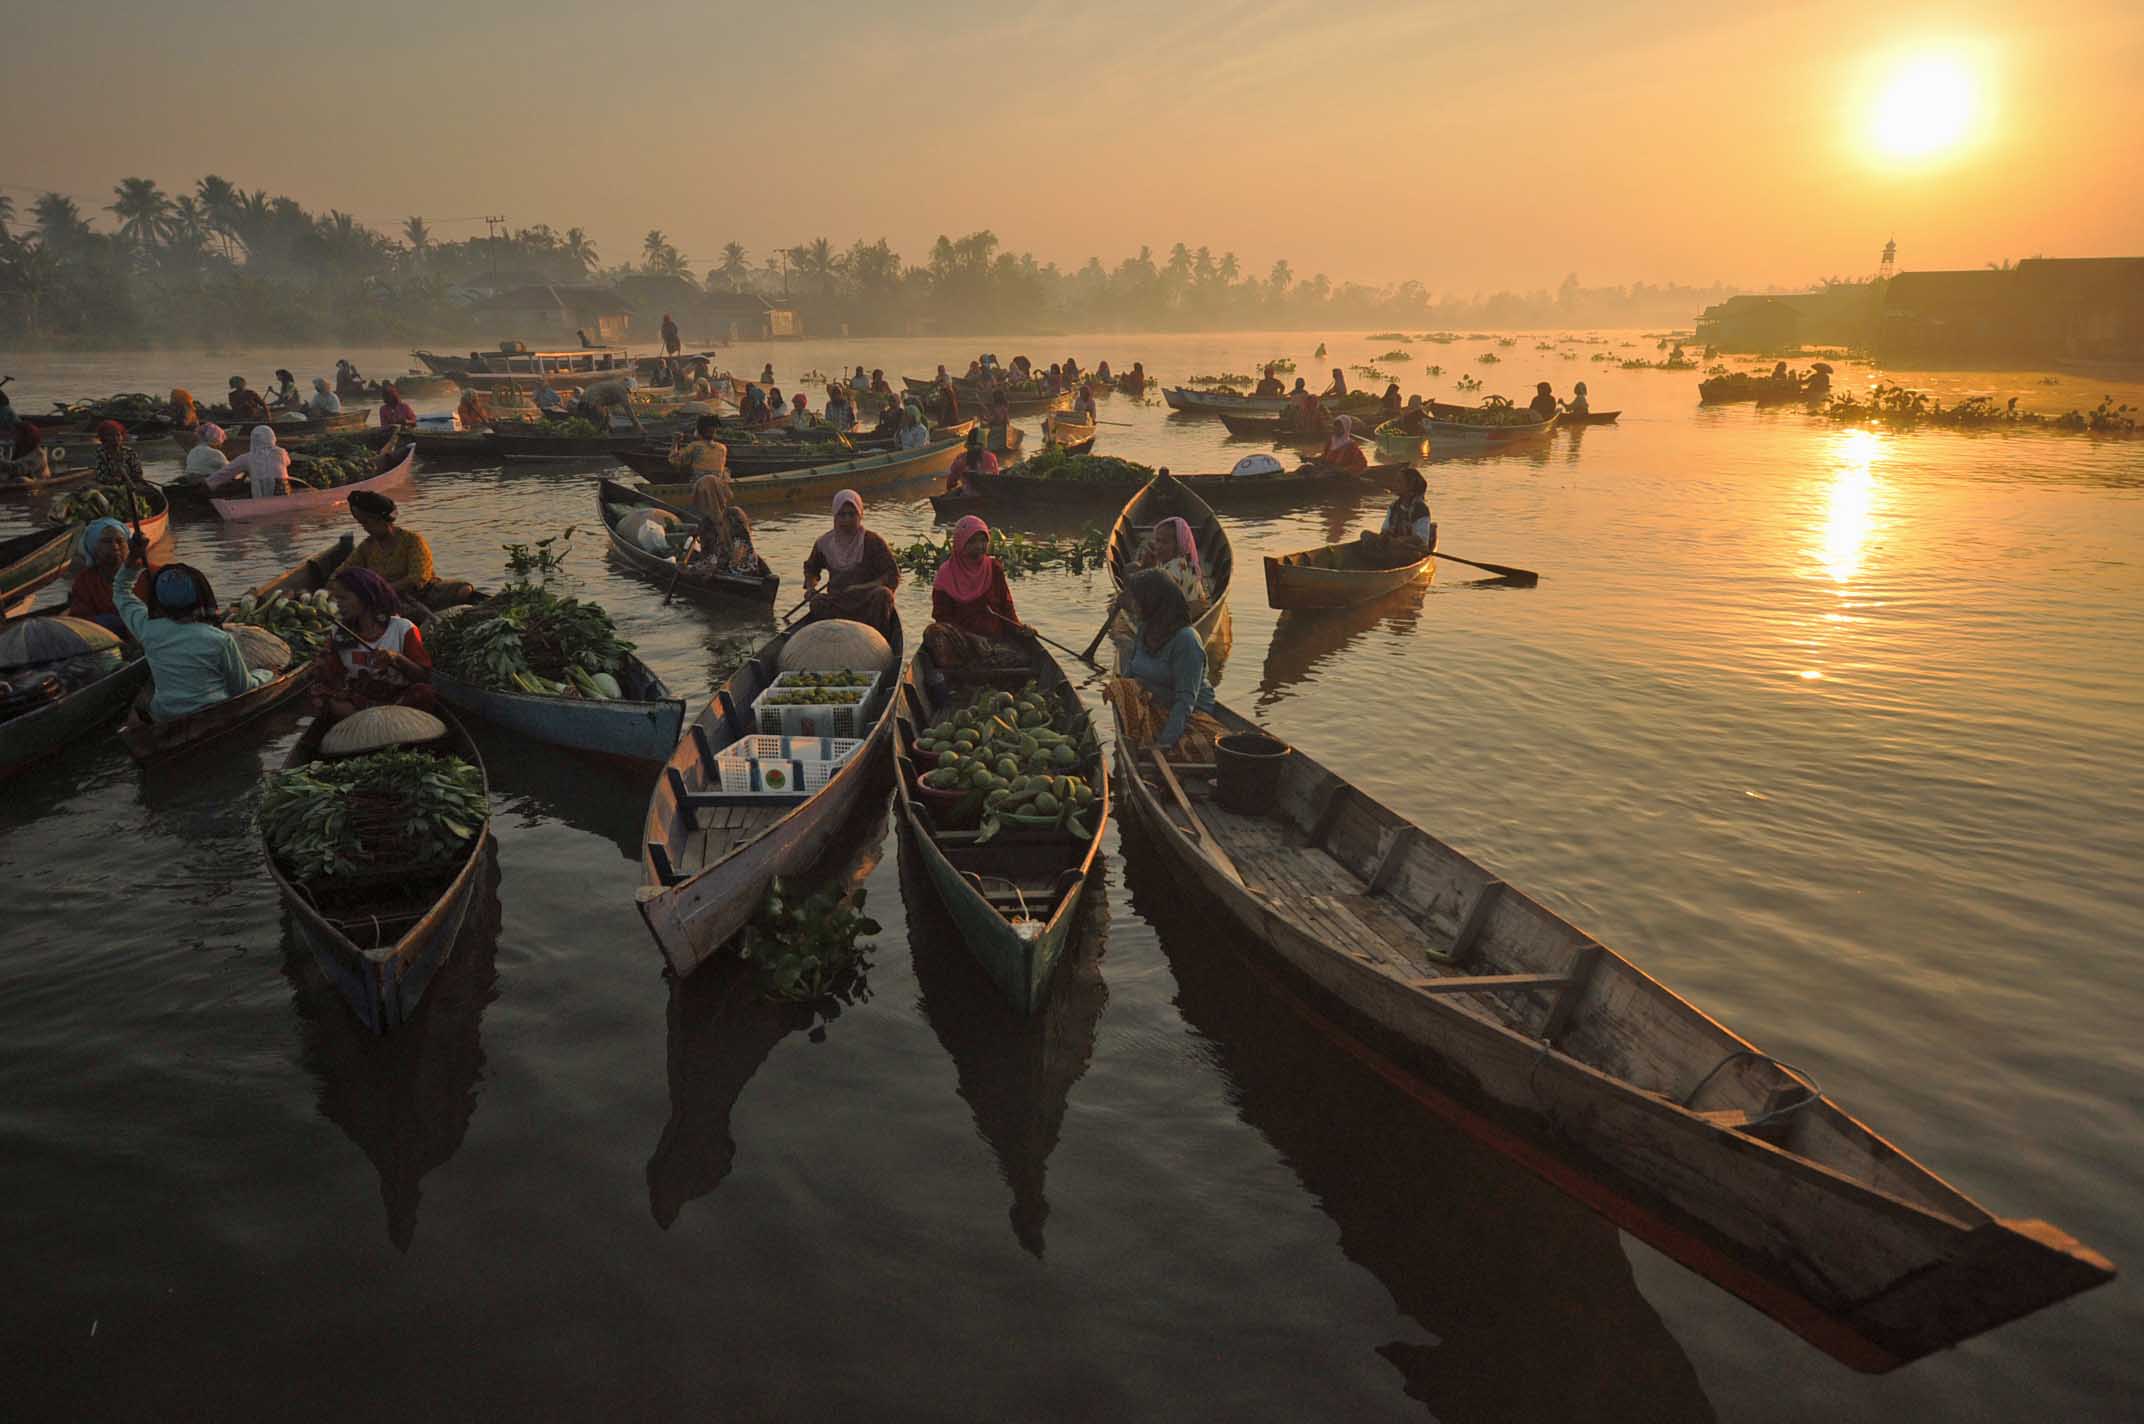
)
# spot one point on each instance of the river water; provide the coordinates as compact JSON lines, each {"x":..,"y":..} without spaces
{"x":1835,"y":733}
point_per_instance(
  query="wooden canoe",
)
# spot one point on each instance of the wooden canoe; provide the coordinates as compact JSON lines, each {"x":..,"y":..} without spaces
{"x":1394,"y":443}
{"x":1191,"y":402}
{"x":706,"y":858}
{"x":1166,"y":497}
{"x":149,"y":741}
{"x":1463,"y":432}
{"x":32,"y":736}
{"x":382,"y":951}
{"x":1269,"y":427}
{"x":643,"y":725}
{"x":1568,"y":421}
{"x":312,"y":501}
{"x":1074,"y":436}
{"x":1337,"y":576}
{"x":240,"y":432}
{"x":862,"y":472}
{"x":64,"y":478}
{"x":300,"y":442}
{"x":456,"y":444}
{"x":1530,"y":1035}
{"x":1034,"y":876}
{"x":30,"y":561}
{"x":614,"y":501}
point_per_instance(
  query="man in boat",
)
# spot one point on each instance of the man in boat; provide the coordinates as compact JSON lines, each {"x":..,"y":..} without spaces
{"x":974,"y":462}
{"x":604,"y":399}
{"x":1543,"y":405}
{"x":549,"y":403}
{"x":672,"y":342}
{"x":402,"y":558}
{"x":1408,"y":532}
{"x":245,"y":402}
{"x":1269,"y":386}
{"x":349,"y":385}
{"x":840,"y":408}
{"x":1576,"y":405}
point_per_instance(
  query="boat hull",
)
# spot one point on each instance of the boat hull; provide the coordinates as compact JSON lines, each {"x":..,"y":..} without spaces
{"x":1165,"y":496}
{"x":614,"y":501}
{"x":1324,"y":578}
{"x":30,"y":561}
{"x":36,"y":735}
{"x":314,"y":501}
{"x":814,"y":480}
{"x":642,"y":727}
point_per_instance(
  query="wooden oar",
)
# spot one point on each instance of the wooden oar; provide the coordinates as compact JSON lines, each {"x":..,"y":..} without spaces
{"x":1038,"y":633}
{"x":1525,"y":576}
{"x":794,"y":611}
{"x":1103,"y":631}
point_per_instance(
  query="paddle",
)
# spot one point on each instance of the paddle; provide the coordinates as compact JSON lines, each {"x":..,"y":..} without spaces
{"x":1036,"y":633}
{"x":1103,"y":631}
{"x":794,"y":611}
{"x":1523,"y":576}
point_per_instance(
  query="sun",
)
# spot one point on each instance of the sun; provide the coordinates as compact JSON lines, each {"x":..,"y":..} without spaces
{"x":1926,"y":108}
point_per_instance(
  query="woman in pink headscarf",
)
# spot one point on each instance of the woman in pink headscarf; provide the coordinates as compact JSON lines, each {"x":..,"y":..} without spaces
{"x":1172,"y":550}
{"x":859,"y":568}
{"x":971,"y":608}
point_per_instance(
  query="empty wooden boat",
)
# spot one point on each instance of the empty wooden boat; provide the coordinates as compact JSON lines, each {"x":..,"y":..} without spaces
{"x":380,"y":939}
{"x":30,"y":561}
{"x":708,"y":855}
{"x":614,"y":501}
{"x":1529,"y":1034}
{"x":1014,"y":895}
{"x":148,"y":741}
{"x":1338,"y":576}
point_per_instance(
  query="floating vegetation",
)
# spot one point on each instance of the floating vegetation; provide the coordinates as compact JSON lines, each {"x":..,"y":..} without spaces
{"x":1439,"y":338}
{"x":1899,"y":406}
{"x":1467,"y":383}
{"x":1369,"y":373}
{"x":1222,"y":382}
{"x":1282,"y":365}
{"x":523,"y":560}
{"x":805,"y":951}
{"x":1397,"y":354}
{"x":1487,"y":358}
{"x":1386,"y":336}
{"x":1434,"y":370}
{"x":1019,"y":553}
{"x":1507,"y":341}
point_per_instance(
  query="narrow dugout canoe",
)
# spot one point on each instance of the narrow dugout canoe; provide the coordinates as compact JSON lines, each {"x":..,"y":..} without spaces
{"x":33,"y":736}
{"x":1448,"y":433}
{"x":312,"y":501}
{"x":1003,"y":494}
{"x":67,"y":478}
{"x":643,"y":725}
{"x":1530,"y":1035}
{"x":707,"y":858}
{"x":381,"y":943}
{"x":614,"y":501}
{"x":863,"y":472}
{"x":30,"y":561}
{"x":1166,"y":497}
{"x":148,"y":741}
{"x":1337,"y":576}
{"x":1193,"y":402}
{"x":1568,"y":421}
{"x":239,"y":439}
{"x":1014,"y":898}
{"x":1269,"y":427}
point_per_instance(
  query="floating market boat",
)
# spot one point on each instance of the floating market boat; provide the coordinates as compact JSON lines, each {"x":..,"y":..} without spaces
{"x":1269,"y":427}
{"x":514,"y":364}
{"x":859,"y":473}
{"x":1193,"y":402}
{"x":312,"y":500}
{"x":1473,"y":431}
{"x":30,"y":561}
{"x":749,"y":456}
{"x":148,"y":741}
{"x":1337,"y":576}
{"x":1308,"y":483}
{"x":1014,"y":893}
{"x":1394,"y":442}
{"x":238,"y":439}
{"x":614,"y":501}
{"x":708,"y":856}
{"x":1742,"y":386}
{"x":457,"y":444}
{"x":642,"y":725}
{"x":1528,"y":1034}
{"x":380,"y":939}
{"x":1166,"y":497}
{"x":1569,"y":421}
{"x":30,"y":736}
{"x":67,"y":478}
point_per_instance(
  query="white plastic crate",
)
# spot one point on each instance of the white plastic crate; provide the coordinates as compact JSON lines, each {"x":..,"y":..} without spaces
{"x":843,"y":720}
{"x":834,"y":749}
{"x":755,"y":776}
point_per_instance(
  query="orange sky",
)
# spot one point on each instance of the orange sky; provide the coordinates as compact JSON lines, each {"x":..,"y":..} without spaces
{"x":1468,"y":146}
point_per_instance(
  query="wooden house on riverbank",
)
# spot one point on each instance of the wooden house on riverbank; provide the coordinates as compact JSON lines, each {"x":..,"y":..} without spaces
{"x":2044,"y":308}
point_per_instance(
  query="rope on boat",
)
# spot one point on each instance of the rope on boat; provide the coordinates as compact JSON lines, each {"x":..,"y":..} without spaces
{"x":1810,"y":1091}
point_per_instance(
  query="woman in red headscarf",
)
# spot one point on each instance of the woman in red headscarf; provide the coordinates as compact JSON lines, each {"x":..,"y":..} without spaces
{"x":971,"y":607}
{"x":394,"y":410}
{"x":118,"y":462}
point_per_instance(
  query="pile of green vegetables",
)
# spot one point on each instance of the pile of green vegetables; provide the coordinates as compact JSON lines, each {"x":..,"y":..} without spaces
{"x":1054,"y":463}
{"x":530,"y":640}
{"x":576,"y":428}
{"x":123,"y":405}
{"x":390,"y":811}
{"x":303,"y":620}
{"x":805,"y":951}
{"x":1006,"y":750}
{"x":1495,"y":411}
{"x":1019,"y":553}
{"x":96,"y":502}
{"x":1224,"y":382}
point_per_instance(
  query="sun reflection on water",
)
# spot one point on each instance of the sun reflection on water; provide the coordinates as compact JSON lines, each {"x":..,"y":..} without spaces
{"x":1849,"y":515}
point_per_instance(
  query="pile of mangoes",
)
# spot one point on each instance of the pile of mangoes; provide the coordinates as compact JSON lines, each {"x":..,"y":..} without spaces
{"x":1005,"y":749}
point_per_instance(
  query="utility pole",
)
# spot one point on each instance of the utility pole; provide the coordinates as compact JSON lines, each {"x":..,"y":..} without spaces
{"x":495,"y":226}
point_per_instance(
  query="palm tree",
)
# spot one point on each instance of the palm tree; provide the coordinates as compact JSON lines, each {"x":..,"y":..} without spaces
{"x":219,"y":198}
{"x":143,"y":211}
{"x":417,"y":235}
{"x":735,"y":268}
{"x":190,"y":227}
{"x":651,"y":246}
{"x":668,"y":263}
{"x":59,"y":220}
{"x":581,"y":248}
{"x":7,"y":213}
{"x":33,"y":272}
{"x":817,"y":260}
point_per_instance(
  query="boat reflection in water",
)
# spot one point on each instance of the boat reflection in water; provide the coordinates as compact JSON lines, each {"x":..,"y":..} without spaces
{"x":404,"y":1098}
{"x":1015,"y":1071}
{"x":1305,"y":640}
{"x":534,"y":782}
{"x":1529,"y":1296}
{"x":721,"y":1031}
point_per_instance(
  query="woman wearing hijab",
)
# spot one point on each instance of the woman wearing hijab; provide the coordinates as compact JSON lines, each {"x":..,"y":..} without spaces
{"x":800,"y":413}
{"x":1415,"y":418}
{"x":973,"y":463}
{"x":1163,"y":698}
{"x":286,"y":395}
{"x":840,"y":409}
{"x":1408,"y":532}
{"x":1338,"y":388}
{"x":914,"y":433}
{"x":103,"y":550}
{"x":400,"y":557}
{"x":752,"y":410}
{"x":206,"y":458}
{"x":184,"y":413}
{"x":861,"y":575}
{"x":1576,"y":405}
{"x":394,"y":410}
{"x":1269,"y":386}
{"x":266,"y":466}
{"x":193,"y":663}
{"x":971,"y":607}
{"x":1083,"y":407}
{"x":471,"y":412}
{"x":1304,"y":415}
{"x":384,"y":663}
{"x":245,"y":402}
{"x":118,"y":462}
{"x":1389,"y":403}
{"x":1543,"y":405}
{"x":1341,"y":452}
{"x":1171,"y":550}
{"x":324,"y":402}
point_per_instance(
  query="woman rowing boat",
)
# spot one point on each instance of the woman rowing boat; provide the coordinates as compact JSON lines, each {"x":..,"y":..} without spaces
{"x":376,"y":658}
{"x":1341,"y":452}
{"x":971,"y":607}
{"x":401,"y":558}
{"x":858,"y":565}
{"x":1408,"y":532}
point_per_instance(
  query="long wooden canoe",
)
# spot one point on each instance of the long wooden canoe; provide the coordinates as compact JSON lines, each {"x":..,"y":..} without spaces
{"x":707,"y":858}
{"x":614,"y":501}
{"x":1191,"y":402}
{"x":1277,"y":428}
{"x":643,"y":725}
{"x":1532,"y":1036}
{"x":315,"y":500}
{"x":1447,"y":433}
{"x":1166,"y":497}
{"x":1338,"y":576}
{"x":381,"y":943}
{"x":299,"y":442}
{"x":456,"y":444}
{"x":1569,"y":421}
{"x":30,"y":561}
{"x":241,"y":431}
{"x":863,"y":472}
{"x":149,"y":741}
{"x":32,"y":736}
{"x":63,"y":478}
{"x":1014,"y":898}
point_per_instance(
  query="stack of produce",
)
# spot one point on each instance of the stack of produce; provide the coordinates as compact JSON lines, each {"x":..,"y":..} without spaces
{"x":1494,"y":411}
{"x":82,"y":506}
{"x":814,"y":704}
{"x":382,"y":814}
{"x":335,"y":462}
{"x":1054,"y":464}
{"x":530,"y":640}
{"x":303,"y":620}
{"x":1005,"y":750}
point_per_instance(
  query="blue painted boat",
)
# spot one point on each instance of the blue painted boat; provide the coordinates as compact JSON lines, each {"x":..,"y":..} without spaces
{"x":643,"y":725}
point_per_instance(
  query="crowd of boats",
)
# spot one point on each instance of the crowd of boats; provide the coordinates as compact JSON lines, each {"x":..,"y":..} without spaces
{"x":1500,"y":1014}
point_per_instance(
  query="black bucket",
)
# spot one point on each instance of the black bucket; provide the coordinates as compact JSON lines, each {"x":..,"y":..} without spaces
{"x":1247,"y":767}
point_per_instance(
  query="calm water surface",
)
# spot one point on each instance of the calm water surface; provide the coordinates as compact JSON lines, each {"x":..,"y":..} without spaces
{"x":1835,"y":733}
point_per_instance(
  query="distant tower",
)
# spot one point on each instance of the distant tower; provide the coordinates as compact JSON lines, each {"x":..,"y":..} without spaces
{"x":1890,"y":261}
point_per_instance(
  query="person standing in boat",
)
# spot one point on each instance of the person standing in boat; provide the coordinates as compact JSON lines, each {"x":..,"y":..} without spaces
{"x":1576,"y":405}
{"x":947,"y":408}
{"x":605,"y":399}
{"x":394,"y":411}
{"x":1341,"y":452}
{"x":1543,"y":405}
{"x":402,"y":558}
{"x":859,"y":568}
{"x":1163,"y":699}
{"x":971,"y":607}
{"x":324,"y":402}
{"x":974,"y":462}
{"x":104,"y":550}
{"x":705,"y":461}
{"x":266,"y":466}
{"x":376,"y":659}
{"x":1269,"y":386}
{"x":193,"y":663}
{"x":349,"y":385}
{"x":672,"y":342}
{"x":1389,"y":403}
{"x":1408,"y":532}
{"x":285,"y":395}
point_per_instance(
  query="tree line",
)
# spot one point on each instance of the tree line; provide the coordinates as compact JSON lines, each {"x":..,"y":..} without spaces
{"x":225,"y":263}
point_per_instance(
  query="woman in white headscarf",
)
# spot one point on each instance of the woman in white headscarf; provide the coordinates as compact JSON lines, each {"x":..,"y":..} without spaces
{"x":266,"y":466}
{"x":1341,"y":452}
{"x":858,"y":566}
{"x":206,"y":458}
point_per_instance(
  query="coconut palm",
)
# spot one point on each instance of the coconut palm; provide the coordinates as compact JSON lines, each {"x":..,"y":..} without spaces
{"x":581,"y":248}
{"x":7,"y":213}
{"x":818,"y":261}
{"x":417,"y":236}
{"x":736,"y":268}
{"x":59,"y":221}
{"x":219,"y":198}
{"x":651,"y":246}
{"x":668,"y":263}
{"x":143,"y":211}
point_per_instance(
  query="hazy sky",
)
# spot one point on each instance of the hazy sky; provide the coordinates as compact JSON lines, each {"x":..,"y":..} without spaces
{"x":1469,"y":145}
